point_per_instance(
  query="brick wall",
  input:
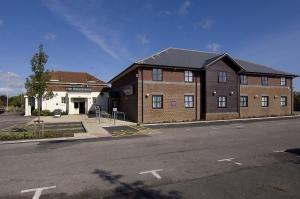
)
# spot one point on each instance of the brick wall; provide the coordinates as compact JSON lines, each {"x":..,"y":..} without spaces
{"x":173,"y":88}
{"x":254,"y":90}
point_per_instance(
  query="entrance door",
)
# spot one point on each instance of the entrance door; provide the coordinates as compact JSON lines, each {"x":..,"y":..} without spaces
{"x":81,"y":107}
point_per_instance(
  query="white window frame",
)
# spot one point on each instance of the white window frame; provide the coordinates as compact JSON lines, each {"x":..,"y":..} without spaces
{"x":283,"y":102}
{"x":265,"y":101}
{"x":188,"y":76}
{"x":283,"y":81}
{"x":157,"y":104}
{"x":244,"y":103}
{"x":222,"y":101}
{"x":189,"y":101}
{"x":63,"y":100}
{"x":243,"y":79}
{"x":157,"y":74}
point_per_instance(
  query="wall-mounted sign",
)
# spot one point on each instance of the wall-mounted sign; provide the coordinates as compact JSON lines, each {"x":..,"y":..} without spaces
{"x":173,"y":103}
{"x":115,"y":109}
{"x":78,"y":89}
{"x":128,"y":90}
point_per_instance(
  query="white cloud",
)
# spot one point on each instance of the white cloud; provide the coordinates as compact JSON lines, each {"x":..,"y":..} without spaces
{"x":214,"y":47}
{"x":101,"y":35}
{"x":183,"y":9}
{"x":205,"y":24}
{"x":1,"y":22}
{"x":50,"y":36}
{"x":142,"y":39}
{"x":11,"y":83}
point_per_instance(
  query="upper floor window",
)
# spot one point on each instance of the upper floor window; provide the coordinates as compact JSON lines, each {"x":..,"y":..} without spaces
{"x":244,"y":101}
{"x":157,"y":74}
{"x":63,"y":100}
{"x":222,"y":76}
{"x":188,"y":76}
{"x":282,"y":81}
{"x":264,"y":101}
{"x":188,"y":101}
{"x":157,"y":101}
{"x":243,"y":79}
{"x":264,"y":80}
{"x":222,"y":101}
{"x":283,"y":100}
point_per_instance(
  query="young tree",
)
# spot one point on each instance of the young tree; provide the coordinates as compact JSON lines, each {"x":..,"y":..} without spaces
{"x":36,"y":83}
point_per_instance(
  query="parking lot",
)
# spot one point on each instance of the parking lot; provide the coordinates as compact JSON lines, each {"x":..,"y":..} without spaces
{"x":242,"y":160}
{"x":12,"y":119}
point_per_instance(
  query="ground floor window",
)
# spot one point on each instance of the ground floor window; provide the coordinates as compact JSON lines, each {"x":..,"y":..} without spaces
{"x":222,"y":101}
{"x":264,"y":101}
{"x":244,"y":101}
{"x":188,"y":101}
{"x":94,"y":100}
{"x":157,"y":101}
{"x":283,"y":101}
{"x":63,"y":100}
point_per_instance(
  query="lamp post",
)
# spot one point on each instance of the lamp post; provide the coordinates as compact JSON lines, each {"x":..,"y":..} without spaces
{"x":7,"y":90}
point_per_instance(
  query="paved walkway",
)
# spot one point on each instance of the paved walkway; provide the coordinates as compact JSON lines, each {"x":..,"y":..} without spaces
{"x":93,"y":127}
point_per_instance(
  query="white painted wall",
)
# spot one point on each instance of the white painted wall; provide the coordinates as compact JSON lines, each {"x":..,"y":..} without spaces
{"x":55,"y":102}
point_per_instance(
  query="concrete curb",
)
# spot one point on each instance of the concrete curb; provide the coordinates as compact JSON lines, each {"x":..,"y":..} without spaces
{"x":54,"y":139}
{"x":217,"y":122}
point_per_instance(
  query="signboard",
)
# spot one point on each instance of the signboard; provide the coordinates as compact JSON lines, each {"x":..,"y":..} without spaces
{"x":173,"y":103}
{"x":115,"y":109}
{"x":78,"y":89}
{"x":128,"y":90}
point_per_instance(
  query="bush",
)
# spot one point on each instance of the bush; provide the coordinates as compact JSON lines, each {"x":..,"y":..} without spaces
{"x":16,"y":135}
{"x":43,"y":113}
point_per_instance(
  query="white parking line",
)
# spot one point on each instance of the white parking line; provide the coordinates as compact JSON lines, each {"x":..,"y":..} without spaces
{"x":230,"y":160}
{"x":153,"y":172}
{"x":38,"y":191}
{"x":226,"y":160}
{"x":281,"y":151}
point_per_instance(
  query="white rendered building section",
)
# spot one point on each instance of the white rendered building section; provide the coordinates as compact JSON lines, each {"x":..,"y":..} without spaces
{"x":71,"y":102}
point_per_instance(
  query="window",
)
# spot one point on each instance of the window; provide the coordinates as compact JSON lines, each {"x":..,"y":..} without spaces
{"x":157,"y":101}
{"x":283,"y":101}
{"x":244,"y":101}
{"x":282,"y":81}
{"x":188,"y":76}
{"x":264,"y":101}
{"x":157,"y":74}
{"x":188,"y":101}
{"x":222,"y":102}
{"x":222,"y":76}
{"x":264,"y":80}
{"x":243,"y":79}
{"x":94,"y":100}
{"x":63,"y":100}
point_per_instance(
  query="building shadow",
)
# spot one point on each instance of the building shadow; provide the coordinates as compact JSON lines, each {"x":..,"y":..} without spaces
{"x":134,"y":190}
{"x":295,"y":152}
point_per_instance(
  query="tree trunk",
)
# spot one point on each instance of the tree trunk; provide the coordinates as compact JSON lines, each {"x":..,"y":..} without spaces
{"x":39,"y":109}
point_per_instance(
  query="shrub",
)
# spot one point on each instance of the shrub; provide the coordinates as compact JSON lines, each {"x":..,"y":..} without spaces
{"x":43,"y":113}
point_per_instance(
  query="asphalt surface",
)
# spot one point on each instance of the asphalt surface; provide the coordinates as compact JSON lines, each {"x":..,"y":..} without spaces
{"x":242,"y":160}
{"x":12,"y":119}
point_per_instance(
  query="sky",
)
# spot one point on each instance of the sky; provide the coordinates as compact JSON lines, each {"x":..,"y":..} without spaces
{"x":103,"y":37}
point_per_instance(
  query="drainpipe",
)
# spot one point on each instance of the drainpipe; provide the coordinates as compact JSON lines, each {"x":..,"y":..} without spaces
{"x":142,"y":95}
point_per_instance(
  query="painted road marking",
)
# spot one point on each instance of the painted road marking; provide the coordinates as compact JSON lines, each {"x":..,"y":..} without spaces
{"x":281,"y":151}
{"x":153,"y":172}
{"x":230,"y":160}
{"x":226,"y":160}
{"x":38,"y":191}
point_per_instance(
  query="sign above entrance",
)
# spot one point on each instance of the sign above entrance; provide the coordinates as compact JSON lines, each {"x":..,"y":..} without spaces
{"x":78,"y":89}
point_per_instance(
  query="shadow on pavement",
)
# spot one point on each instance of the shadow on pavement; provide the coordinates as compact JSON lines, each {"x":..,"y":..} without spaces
{"x":135,"y":190}
{"x":295,"y":151}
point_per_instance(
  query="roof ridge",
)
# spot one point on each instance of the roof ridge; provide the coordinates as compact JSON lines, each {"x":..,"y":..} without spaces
{"x":157,"y":53}
{"x":200,"y":51}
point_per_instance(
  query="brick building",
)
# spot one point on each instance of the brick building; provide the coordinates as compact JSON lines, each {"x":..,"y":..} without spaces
{"x":186,"y":85}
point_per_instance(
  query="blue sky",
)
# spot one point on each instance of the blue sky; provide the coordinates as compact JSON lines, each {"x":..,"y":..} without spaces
{"x":105,"y":36}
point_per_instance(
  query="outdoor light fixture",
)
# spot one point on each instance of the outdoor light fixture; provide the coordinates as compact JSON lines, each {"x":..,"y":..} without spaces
{"x":275,"y":96}
{"x":147,"y":95}
{"x":214,"y":92}
{"x":255,"y":96}
{"x":231,"y":93}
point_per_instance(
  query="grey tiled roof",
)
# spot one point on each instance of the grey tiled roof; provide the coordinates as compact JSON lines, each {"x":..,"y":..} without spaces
{"x":198,"y":59}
